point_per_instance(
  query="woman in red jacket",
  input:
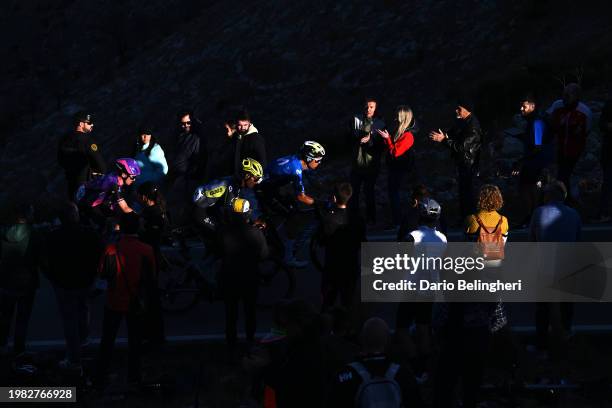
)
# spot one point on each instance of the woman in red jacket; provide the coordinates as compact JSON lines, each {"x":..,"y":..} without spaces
{"x":400,"y":160}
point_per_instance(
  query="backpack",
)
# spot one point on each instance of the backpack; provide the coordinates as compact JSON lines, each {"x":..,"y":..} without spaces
{"x":377,"y":392}
{"x":491,"y":243}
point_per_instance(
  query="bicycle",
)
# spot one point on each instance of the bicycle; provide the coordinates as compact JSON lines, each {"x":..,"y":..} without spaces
{"x":187,"y":277}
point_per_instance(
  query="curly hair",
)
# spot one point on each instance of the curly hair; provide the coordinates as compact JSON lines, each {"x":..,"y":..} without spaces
{"x":490,"y":198}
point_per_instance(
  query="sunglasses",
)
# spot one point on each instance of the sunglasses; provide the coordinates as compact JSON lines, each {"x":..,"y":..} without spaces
{"x":188,"y":123}
{"x":317,"y":160}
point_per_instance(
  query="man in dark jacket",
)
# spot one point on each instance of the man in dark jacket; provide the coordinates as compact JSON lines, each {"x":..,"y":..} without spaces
{"x":20,"y":258}
{"x":243,"y":247}
{"x":79,"y":154}
{"x":247,"y":142}
{"x":341,"y":234}
{"x":190,"y":155}
{"x":464,"y":140}
{"x":73,"y":252}
{"x":366,"y":153}
{"x":605,"y":126}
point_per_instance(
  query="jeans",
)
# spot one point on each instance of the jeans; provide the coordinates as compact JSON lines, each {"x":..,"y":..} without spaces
{"x":110,"y":327}
{"x":368,"y":180}
{"x":22,"y":303}
{"x":74,"y":309}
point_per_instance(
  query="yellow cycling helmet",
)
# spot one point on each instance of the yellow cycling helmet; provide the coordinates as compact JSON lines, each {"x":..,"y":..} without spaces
{"x":252,"y":167}
{"x":240,"y":205}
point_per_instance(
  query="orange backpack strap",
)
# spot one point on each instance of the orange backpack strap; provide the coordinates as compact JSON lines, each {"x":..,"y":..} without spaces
{"x":481,"y":225}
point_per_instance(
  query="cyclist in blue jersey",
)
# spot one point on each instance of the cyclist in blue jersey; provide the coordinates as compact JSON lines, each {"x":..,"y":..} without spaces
{"x":282,"y":191}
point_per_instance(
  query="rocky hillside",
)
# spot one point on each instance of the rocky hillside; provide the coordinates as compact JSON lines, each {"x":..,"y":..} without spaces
{"x":300,"y":67}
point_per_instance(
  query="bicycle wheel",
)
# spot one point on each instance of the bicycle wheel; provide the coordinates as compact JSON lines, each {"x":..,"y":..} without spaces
{"x":278,"y":282}
{"x":178,"y":287}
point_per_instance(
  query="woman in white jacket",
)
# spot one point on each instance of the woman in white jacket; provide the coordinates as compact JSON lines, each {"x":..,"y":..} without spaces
{"x":150,"y":157}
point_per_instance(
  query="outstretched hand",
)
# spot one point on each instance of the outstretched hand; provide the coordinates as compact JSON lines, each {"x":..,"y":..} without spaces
{"x":437,"y":136}
{"x":383,"y":133}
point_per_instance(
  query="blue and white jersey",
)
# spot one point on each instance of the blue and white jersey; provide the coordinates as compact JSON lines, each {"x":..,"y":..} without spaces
{"x":285,"y":170}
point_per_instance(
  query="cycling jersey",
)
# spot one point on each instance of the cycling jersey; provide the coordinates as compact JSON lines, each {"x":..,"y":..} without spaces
{"x":283,"y":171}
{"x":102,"y":190}
{"x":222,"y":190}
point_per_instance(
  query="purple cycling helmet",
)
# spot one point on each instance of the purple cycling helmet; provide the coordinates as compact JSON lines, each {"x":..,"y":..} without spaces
{"x":128,"y":166}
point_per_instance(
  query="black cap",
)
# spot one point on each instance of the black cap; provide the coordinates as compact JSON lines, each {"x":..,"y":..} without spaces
{"x":83,"y":116}
{"x":466,"y":102}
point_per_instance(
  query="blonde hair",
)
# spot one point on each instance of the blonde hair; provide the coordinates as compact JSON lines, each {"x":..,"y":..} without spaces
{"x":405,"y":119}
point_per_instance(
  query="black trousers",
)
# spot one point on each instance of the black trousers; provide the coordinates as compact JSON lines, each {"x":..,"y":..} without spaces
{"x":110,"y":326}
{"x":565,"y":169}
{"x":466,"y":189}
{"x":232,"y":297}
{"x":333,"y":287}
{"x":543,"y":321}
{"x":9,"y":303}
{"x":368,"y":181}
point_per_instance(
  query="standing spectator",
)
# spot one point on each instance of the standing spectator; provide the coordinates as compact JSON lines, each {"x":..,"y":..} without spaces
{"x":538,"y":154}
{"x":223,"y":158}
{"x":20,"y":258}
{"x":155,"y":221}
{"x":341,"y":235}
{"x":605,"y":125}
{"x":464,"y":140}
{"x":243,"y":247}
{"x":400,"y":160}
{"x":490,"y":201}
{"x":412,"y":217}
{"x":570,"y":122}
{"x":129,"y":264}
{"x":190,"y":155}
{"x":366,"y":153}
{"x":150,"y":158}
{"x":72,"y":253}
{"x":389,"y":383}
{"x":247,"y":142}
{"x":79,"y":154}
{"x":554,"y":222}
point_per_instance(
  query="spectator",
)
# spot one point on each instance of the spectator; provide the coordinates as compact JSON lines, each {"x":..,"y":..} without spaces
{"x":247,"y":142}
{"x":129,"y":264}
{"x":367,"y":150}
{"x":223,"y":159}
{"x":554,"y":222}
{"x":431,"y":242}
{"x":570,"y":122}
{"x":400,"y":160}
{"x":538,"y":154}
{"x":72,"y":253}
{"x":20,"y":259}
{"x":395,"y":387}
{"x":464,"y":140}
{"x":605,"y":125}
{"x":79,"y":154}
{"x":243,"y":247}
{"x":490,"y":201}
{"x":150,"y":158}
{"x":341,"y":235}
{"x":190,"y":155}
{"x":411,"y":219}
{"x":155,"y":221}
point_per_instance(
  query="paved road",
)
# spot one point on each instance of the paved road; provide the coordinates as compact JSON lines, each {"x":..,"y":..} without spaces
{"x":207,"y":319}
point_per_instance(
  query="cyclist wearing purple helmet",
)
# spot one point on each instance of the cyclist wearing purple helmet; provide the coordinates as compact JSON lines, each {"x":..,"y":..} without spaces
{"x":105,"y":194}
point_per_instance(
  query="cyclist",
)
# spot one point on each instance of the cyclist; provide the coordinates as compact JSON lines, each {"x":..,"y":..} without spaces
{"x":104,"y":196}
{"x":214,"y":200}
{"x":283,"y":190}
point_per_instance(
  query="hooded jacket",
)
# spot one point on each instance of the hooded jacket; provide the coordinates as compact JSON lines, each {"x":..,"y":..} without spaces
{"x":19,"y":258}
{"x":252,"y":145}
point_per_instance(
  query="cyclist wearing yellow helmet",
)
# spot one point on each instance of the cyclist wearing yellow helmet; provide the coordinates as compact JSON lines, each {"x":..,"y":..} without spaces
{"x":213,"y":198}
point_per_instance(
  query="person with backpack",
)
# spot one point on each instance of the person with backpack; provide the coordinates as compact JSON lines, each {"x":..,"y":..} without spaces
{"x":374,"y":380}
{"x":20,"y":259}
{"x":128,"y":265}
{"x":487,"y":227}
